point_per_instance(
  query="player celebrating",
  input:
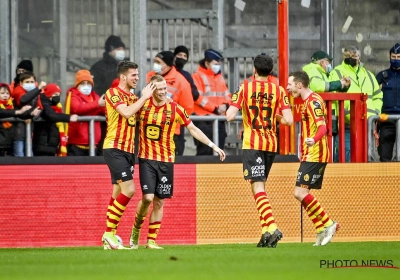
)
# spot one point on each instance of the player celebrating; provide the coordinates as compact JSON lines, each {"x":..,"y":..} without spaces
{"x":157,"y":121}
{"x":118,"y":149}
{"x":314,"y":155}
{"x":260,"y":101}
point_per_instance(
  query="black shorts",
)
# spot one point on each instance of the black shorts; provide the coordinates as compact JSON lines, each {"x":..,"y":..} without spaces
{"x":310,"y":175}
{"x":156,"y":177}
{"x":120,"y":163}
{"x":256,"y":165}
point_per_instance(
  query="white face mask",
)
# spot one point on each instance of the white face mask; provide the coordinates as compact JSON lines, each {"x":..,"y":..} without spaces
{"x":215,"y":68}
{"x":85,"y":89}
{"x":328,"y":68}
{"x":157,"y":68}
{"x":29,"y":86}
{"x":119,"y":55}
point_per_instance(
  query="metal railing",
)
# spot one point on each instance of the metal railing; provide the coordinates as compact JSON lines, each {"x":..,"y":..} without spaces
{"x":371,"y":138}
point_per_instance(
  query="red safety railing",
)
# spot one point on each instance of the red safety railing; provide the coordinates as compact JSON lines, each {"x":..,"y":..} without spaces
{"x":358,"y":123}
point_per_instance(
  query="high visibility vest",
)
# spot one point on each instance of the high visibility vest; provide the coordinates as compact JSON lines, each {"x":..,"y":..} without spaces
{"x":212,"y":89}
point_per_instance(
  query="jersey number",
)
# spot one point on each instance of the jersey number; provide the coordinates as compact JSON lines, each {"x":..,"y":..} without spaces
{"x":266,"y":118}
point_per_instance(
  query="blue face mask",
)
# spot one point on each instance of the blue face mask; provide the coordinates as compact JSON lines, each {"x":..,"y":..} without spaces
{"x":395,"y":63}
{"x":328,"y":68}
{"x":28,"y":86}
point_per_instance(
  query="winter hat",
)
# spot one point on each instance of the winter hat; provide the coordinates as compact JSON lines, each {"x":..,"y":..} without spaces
{"x":83,"y":75}
{"x":180,"y":49}
{"x":167,"y":57}
{"x":113,"y":42}
{"x":25,"y":64}
{"x":51,"y":89}
{"x":213,"y":54}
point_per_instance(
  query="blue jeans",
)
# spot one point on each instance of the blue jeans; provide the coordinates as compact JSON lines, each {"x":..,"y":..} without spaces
{"x":346,"y":146}
{"x":19,"y":148}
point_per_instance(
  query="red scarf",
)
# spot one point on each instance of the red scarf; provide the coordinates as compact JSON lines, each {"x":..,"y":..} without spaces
{"x":8,"y":105}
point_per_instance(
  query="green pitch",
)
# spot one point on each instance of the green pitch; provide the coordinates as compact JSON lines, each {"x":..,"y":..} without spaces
{"x":238,"y":261}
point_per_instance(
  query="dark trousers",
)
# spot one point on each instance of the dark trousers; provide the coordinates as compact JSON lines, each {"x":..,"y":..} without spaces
{"x":207,"y":128}
{"x":387,"y":138}
{"x":180,"y":142}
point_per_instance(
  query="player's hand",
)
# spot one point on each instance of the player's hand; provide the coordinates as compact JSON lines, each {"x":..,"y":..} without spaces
{"x":148,"y":90}
{"x":383,"y":117}
{"x":220,"y":152}
{"x":73,"y":118}
{"x":278,"y":118}
{"x":23,"y":109}
{"x":240,"y":133}
{"x":102,"y":101}
{"x":309,"y":141}
{"x":222,"y":109}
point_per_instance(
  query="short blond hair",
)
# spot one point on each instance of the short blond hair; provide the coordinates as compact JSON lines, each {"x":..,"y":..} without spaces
{"x":156,"y":79}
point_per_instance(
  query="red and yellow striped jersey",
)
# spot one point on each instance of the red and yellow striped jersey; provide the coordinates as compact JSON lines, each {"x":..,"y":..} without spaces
{"x":120,"y":131}
{"x":260,"y":101}
{"x":312,"y":115}
{"x":156,"y":130}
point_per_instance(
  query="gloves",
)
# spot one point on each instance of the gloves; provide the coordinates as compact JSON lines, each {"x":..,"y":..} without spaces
{"x":383,"y":117}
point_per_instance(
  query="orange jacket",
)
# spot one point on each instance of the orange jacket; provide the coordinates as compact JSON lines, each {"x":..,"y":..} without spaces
{"x":212,"y":89}
{"x":271,"y":79}
{"x":178,"y":89}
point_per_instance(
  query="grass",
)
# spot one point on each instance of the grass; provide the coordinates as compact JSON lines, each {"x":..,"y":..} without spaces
{"x":234,"y":261}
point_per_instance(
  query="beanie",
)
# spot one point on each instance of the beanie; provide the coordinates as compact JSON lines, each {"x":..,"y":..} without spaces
{"x":213,"y":54}
{"x":180,"y":49}
{"x":51,"y":89}
{"x":113,"y":42}
{"x":25,"y":64}
{"x":83,"y":75}
{"x":167,"y":57}
{"x":395,"y":49}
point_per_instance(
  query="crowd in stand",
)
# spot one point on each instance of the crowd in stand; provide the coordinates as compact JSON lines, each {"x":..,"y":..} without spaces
{"x":202,"y":93}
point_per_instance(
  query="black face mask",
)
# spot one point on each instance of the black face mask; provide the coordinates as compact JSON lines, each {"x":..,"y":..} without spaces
{"x":350,"y":61}
{"x":55,"y":100}
{"x":180,"y":62}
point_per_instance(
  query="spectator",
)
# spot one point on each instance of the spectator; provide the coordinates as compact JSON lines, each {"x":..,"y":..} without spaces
{"x":104,"y":72}
{"x":212,"y":87}
{"x":318,"y":70}
{"x":363,"y":81}
{"x":48,"y":135}
{"x":389,"y":81}
{"x":6,"y":111}
{"x":26,"y":93}
{"x":178,"y":88}
{"x":83,"y":101}
{"x":22,"y":67}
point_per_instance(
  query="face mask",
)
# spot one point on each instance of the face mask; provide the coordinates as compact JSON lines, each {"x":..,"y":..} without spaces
{"x":157,"y":68}
{"x":180,"y":62}
{"x":55,"y":100}
{"x":216,"y":68}
{"x":350,"y":61}
{"x":86,"y":89}
{"x":29,"y":86}
{"x":395,"y":63}
{"x":119,"y":55}
{"x":328,"y":68}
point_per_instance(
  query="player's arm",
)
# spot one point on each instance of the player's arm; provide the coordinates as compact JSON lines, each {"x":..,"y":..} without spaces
{"x":321,"y":131}
{"x":128,"y":111}
{"x":199,"y":135}
{"x":286,"y":118}
{"x":231,"y":113}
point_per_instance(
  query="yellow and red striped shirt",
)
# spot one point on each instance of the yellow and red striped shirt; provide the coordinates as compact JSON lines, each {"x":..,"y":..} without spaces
{"x":156,"y":130}
{"x":260,"y":102}
{"x":312,"y":115}
{"x":120,"y":131}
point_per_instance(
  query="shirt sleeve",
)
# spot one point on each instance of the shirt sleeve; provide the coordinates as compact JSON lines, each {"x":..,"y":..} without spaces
{"x":317,"y":111}
{"x":182,"y":116}
{"x":284,"y":102}
{"x":113,"y":98}
{"x":237,"y":97}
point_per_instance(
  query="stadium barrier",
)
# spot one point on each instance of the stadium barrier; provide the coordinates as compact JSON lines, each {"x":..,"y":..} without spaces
{"x":372,"y":132}
{"x":65,"y":205}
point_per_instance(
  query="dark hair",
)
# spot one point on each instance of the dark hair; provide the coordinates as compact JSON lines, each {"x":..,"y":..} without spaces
{"x":204,"y":60}
{"x":156,"y":79}
{"x":263,"y":65}
{"x":125,"y":65}
{"x":26,"y":75}
{"x":300,"y":77}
